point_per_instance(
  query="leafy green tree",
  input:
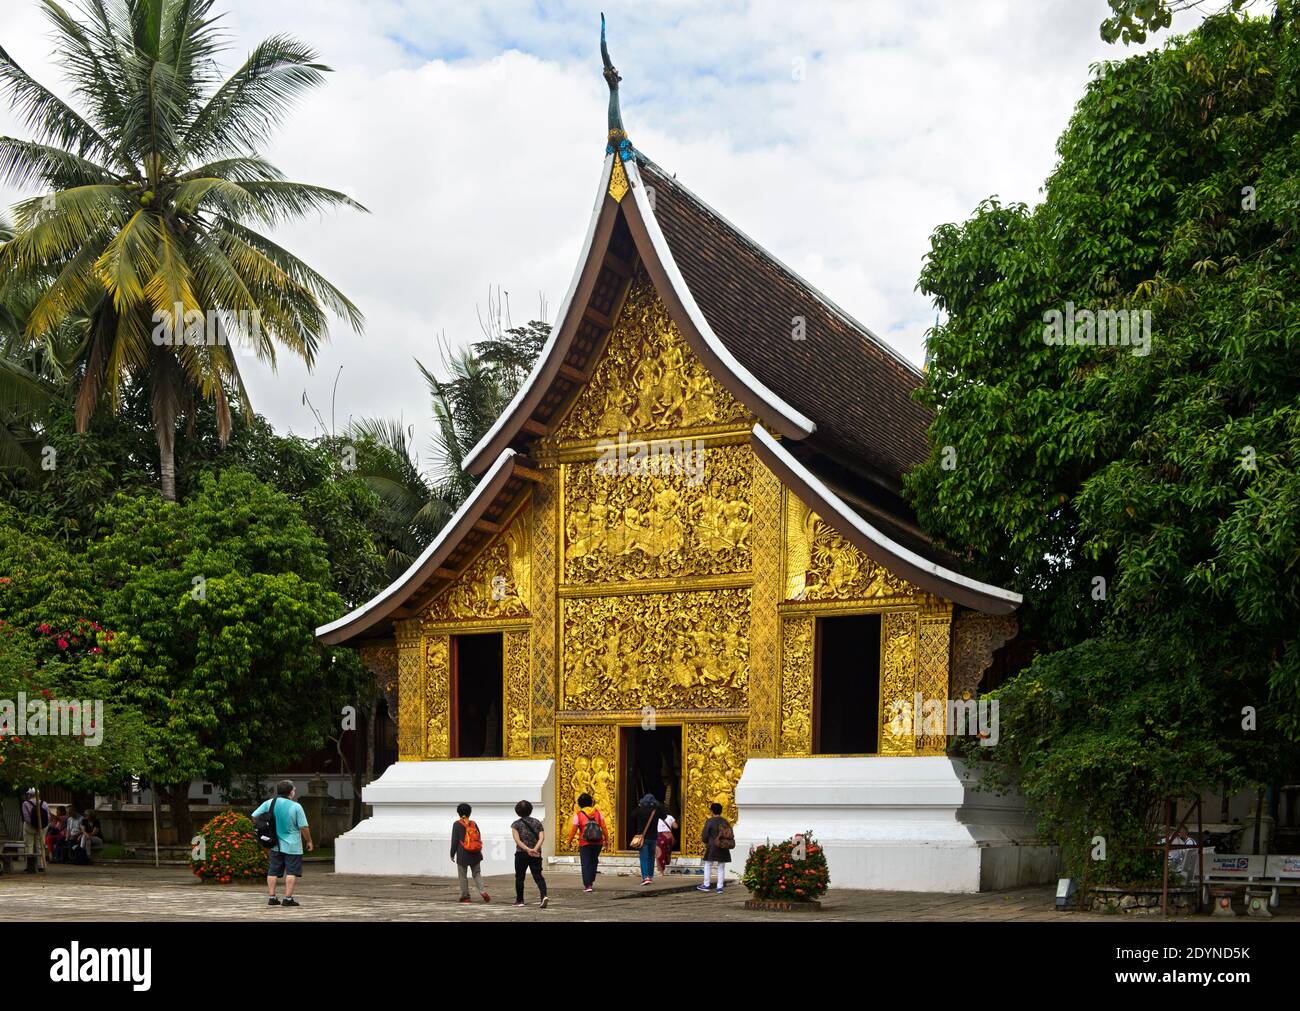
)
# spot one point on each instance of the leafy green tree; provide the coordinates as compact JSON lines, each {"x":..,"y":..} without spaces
{"x":1146,"y":503}
{"x":153,"y":197}
{"x":217,"y":599}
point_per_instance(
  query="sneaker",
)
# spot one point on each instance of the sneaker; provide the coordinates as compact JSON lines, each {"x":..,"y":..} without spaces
{"x":647,"y":881}
{"x":545,"y":900}
{"x":719,"y":891}
{"x":272,"y":901}
{"x":486,"y":896}
{"x":587,"y":889}
{"x":465,"y":901}
{"x":520,"y":905}
{"x":289,"y":902}
{"x":703,"y":888}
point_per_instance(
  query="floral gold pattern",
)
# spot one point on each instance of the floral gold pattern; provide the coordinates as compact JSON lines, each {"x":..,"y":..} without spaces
{"x":797,"y":659}
{"x":437,"y":696}
{"x":897,"y":682}
{"x":587,"y":763}
{"x":821,"y":565}
{"x":494,"y":585}
{"x":715,"y":757}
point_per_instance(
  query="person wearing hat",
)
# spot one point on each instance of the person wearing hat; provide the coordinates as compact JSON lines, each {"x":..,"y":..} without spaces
{"x":36,"y":816}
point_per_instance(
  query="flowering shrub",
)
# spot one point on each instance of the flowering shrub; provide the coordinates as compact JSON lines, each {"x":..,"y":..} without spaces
{"x":778,"y":872}
{"x":228,"y":850}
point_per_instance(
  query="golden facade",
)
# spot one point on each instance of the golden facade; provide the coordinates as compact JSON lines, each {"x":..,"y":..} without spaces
{"x":660,"y":571}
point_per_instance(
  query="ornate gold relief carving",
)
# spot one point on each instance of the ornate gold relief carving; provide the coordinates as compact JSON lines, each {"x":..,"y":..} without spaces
{"x":797,"y":662}
{"x":677,"y":522}
{"x":685,"y":649}
{"x":648,"y":379}
{"x":820,"y":564}
{"x":410,"y":695}
{"x":764,"y":662}
{"x":898,"y":633}
{"x":715,"y":757}
{"x":437,"y":696}
{"x":494,"y":585}
{"x":975,"y":638}
{"x":518,"y":691}
{"x":545,"y":538}
{"x":588,"y":763}
{"x":618,"y":185}
{"x":932,"y":677}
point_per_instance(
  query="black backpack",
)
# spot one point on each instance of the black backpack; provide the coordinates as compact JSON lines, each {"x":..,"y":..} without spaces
{"x":264,"y":828}
{"x":592,"y":832}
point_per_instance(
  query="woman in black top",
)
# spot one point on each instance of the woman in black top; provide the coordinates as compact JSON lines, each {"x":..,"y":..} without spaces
{"x":714,"y":855}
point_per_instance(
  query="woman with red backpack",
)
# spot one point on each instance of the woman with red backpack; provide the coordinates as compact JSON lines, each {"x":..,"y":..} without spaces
{"x":467,"y":851}
{"x":588,"y":821}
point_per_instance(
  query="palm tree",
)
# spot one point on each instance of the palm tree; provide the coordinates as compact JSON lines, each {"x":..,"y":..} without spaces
{"x":147,"y":235}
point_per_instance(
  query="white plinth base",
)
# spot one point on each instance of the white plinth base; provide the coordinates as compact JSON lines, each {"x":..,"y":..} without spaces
{"x":900,"y":824}
{"x":414,"y":806}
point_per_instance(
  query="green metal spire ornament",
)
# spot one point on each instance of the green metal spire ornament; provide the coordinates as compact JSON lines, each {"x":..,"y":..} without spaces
{"x":617,"y":140}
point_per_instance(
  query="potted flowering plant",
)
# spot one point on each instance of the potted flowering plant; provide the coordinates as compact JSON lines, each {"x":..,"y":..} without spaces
{"x":227,"y":850}
{"x":787,"y":875}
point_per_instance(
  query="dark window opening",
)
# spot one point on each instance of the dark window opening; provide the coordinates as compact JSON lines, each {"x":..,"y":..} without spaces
{"x":476,"y":695}
{"x":846,"y":693}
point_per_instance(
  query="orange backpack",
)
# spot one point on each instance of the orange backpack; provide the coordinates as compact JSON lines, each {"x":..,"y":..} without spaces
{"x":473,"y":842}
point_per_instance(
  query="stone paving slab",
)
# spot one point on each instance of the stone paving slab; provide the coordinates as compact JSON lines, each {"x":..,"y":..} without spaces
{"x":117,"y":893}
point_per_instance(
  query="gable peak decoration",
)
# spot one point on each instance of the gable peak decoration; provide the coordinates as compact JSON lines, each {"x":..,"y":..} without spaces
{"x":617,"y":142}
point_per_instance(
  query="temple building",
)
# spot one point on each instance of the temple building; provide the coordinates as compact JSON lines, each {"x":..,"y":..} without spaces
{"x":688,"y":569}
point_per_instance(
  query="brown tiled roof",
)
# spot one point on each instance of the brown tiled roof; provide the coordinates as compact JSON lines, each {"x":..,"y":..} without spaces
{"x":841,"y":376}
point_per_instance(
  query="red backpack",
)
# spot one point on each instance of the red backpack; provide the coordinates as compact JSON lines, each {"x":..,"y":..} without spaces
{"x":473,"y":841}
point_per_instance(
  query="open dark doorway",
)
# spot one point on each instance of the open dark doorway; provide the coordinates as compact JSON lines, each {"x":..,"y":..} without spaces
{"x":651,"y":763}
{"x":846,"y":694}
{"x":476,"y":695}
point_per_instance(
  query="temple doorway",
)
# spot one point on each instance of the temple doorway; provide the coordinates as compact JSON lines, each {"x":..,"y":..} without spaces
{"x":651,"y":763}
{"x":476,"y":687}
{"x":846,"y":689}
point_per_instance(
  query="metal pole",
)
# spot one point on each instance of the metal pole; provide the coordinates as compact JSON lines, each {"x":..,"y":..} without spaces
{"x":153,"y":793}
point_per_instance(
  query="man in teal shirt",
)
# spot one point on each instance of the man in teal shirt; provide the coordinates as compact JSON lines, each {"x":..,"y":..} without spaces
{"x":291,"y":832}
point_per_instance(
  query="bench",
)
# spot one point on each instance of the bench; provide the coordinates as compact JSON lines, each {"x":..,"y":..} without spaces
{"x":1252,"y":873}
{"x":10,"y":853}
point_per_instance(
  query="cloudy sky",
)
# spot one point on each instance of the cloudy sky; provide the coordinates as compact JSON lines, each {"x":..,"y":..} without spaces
{"x":837,"y":134}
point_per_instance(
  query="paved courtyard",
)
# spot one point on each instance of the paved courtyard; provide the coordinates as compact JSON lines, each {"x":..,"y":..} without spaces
{"x":145,"y":893}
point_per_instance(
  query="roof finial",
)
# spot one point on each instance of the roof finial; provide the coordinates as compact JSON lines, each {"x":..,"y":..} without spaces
{"x":617,"y":135}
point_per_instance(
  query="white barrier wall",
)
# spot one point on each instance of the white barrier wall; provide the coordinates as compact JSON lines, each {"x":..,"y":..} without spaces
{"x":899,"y":824}
{"x":414,"y":805}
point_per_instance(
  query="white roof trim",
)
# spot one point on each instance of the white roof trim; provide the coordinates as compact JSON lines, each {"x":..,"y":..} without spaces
{"x":774,"y":403}
{"x":467,"y":464}
{"x":413,"y":573}
{"x":886,"y":544}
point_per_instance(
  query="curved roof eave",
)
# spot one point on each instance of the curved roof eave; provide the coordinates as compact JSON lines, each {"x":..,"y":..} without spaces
{"x":879,"y":547}
{"x":431,"y":558}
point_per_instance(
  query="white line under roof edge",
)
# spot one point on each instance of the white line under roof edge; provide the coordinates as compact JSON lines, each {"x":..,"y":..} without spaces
{"x":665,"y":254}
{"x":870,"y":532}
{"x":565,"y":307}
{"x":813,"y":290}
{"x":400,"y":582}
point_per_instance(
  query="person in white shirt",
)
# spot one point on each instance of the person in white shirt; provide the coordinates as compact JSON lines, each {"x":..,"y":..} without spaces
{"x":665,"y":841}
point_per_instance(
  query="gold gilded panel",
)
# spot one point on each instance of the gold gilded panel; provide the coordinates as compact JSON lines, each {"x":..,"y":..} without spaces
{"x":898,"y":634}
{"x":494,"y":585}
{"x":715,"y":757}
{"x":648,"y":379}
{"x":518,"y":693}
{"x":821,"y":565}
{"x":687,"y":649}
{"x":545,"y":537}
{"x":587,"y":763}
{"x":410,"y":697}
{"x":932,"y":679}
{"x":630,"y":521}
{"x":797,"y":663}
{"x":437,"y":696}
{"x":764,"y":662}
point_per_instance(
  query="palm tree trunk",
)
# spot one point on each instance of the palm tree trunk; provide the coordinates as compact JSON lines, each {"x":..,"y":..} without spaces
{"x":165,"y":411}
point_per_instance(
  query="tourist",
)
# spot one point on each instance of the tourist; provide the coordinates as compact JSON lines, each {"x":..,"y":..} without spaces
{"x":591,"y":823}
{"x":36,"y":815}
{"x":529,"y":834}
{"x":648,"y":814}
{"x":55,"y":836}
{"x":665,"y":841}
{"x":467,"y":852}
{"x":90,"y":839}
{"x":71,"y":832}
{"x":719,"y":840}
{"x":291,"y":832}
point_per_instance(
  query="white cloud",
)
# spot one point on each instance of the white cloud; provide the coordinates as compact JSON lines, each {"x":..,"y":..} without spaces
{"x":474,"y":133}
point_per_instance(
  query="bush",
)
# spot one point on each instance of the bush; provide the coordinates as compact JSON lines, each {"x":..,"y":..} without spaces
{"x":227,"y":850}
{"x":773,"y":872}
